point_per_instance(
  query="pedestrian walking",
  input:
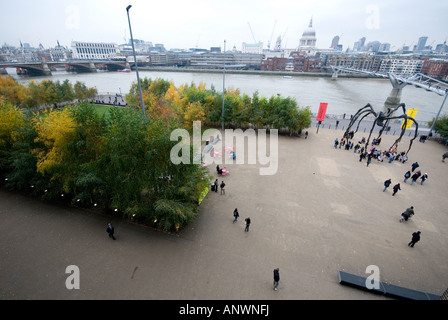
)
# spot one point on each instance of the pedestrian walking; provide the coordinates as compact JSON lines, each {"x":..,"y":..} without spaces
{"x":414,"y":166}
{"x":110,"y":230}
{"x":396,"y":188}
{"x":387,"y":183}
{"x":415,"y":176}
{"x":216,"y":185}
{"x":407,"y":175}
{"x":424,"y":177}
{"x":276,"y":278}
{"x":247,"y":224}
{"x":336,"y":142}
{"x":415,"y":239}
{"x":444,"y":156}
{"x":362,"y":156}
{"x":235,"y":215}
{"x":223,"y":191}
{"x":369,"y":159}
{"x":407,"y":214}
{"x":306,"y":134}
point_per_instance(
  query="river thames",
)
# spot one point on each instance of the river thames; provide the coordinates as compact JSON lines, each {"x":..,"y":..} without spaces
{"x":344,"y":95}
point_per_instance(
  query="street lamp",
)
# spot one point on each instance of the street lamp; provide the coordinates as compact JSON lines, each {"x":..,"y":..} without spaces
{"x":223,"y":84}
{"x":135,"y":61}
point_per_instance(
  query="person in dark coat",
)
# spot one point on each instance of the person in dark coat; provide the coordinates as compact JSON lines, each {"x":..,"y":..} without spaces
{"x":247,"y":224}
{"x":444,"y":156}
{"x":407,"y":214}
{"x":235,"y":214}
{"x":407,"y":175}
{"x":415,"y":176}
{"x":223,"y":191}
{"x":276,"y":278}
{"x":424,"y":177}
{"x":396,"y":188}
{"x":415,"y":239}
{"x":110,"y":230}
{"x":387,"y":183}
{"x":415,"y":165}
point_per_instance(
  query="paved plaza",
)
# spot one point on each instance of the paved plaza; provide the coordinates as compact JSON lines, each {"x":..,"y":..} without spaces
{"x":323,"y":211}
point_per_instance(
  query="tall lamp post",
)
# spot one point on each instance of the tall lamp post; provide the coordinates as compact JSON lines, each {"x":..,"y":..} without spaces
{"x":135,"y":60}
{"x":223,"y":84}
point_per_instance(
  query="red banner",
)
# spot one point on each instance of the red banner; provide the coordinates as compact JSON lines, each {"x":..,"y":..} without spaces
{"x":322,"y":111}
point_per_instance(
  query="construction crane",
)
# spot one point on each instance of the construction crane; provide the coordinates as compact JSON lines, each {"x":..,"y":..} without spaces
{"x":278,"y":43}
{"x":269,"y":43}
{"x":252,"y":32}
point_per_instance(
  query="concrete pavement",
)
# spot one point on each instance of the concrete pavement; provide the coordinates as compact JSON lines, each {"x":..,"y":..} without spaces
{"x":322,"y":212}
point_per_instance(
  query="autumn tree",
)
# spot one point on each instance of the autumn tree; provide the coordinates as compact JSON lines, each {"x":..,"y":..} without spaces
{"x":12,"y":91}
{"x":55,"y":132}
{"x":12,"y":119}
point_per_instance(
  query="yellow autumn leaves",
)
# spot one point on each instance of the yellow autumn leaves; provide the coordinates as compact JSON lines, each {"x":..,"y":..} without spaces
{"x":55,"y":129}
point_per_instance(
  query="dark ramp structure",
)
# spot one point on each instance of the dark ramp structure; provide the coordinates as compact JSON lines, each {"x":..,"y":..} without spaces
{"x":385,"y":289}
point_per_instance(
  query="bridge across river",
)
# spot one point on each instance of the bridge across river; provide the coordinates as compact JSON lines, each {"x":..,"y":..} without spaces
{"x":44,"y":68}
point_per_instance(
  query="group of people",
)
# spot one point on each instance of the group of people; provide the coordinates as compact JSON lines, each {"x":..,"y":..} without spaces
{"x":236,"y":216}
{"x":388,"y":183}
{"x":392,"y":155}
{"x":405,"y":216}
{"x":373,"y":153}
{"x":414,"y":177}
{"x":215,"y":185}
{"x":343,"y":143}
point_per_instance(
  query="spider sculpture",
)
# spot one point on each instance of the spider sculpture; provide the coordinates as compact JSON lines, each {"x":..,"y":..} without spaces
{"x":382,"y":119}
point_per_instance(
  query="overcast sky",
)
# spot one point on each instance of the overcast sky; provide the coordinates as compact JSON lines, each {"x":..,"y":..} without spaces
{"x":207,"y":23}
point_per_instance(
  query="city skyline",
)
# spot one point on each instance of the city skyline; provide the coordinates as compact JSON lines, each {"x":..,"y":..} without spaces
{"x":205,"y":24}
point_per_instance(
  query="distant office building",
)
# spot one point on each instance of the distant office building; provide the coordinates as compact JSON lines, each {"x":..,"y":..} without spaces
{"x":158,"y":58}
{"x":400,"y":66}
{"x":211,"y":60}
{"x":335,"y":42}
{"x":441,"y":48}
{"x":373,"y":46}
{"x":384,"y":47}
{"x":249,"y":60}
{"x":297,"y":62}
{"x":60,"y":53}
{"x":252,"y":47}
{"x":354,"y":61}
{"x":421,"y":44}
{"x":159,"y":47}
{"x":435,"y":68}
{"x":93,"y":50}
{"x":359,"y":45}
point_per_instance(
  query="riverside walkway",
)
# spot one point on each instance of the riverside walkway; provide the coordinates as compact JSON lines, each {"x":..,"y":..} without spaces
{"x":322,"y":212}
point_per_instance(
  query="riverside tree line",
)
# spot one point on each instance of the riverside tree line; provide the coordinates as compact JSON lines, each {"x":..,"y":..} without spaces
{"x":118,"y":160}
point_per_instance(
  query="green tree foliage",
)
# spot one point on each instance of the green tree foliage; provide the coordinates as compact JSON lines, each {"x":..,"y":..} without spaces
{"x":441,"y":126}
{"x":46,"y":92}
